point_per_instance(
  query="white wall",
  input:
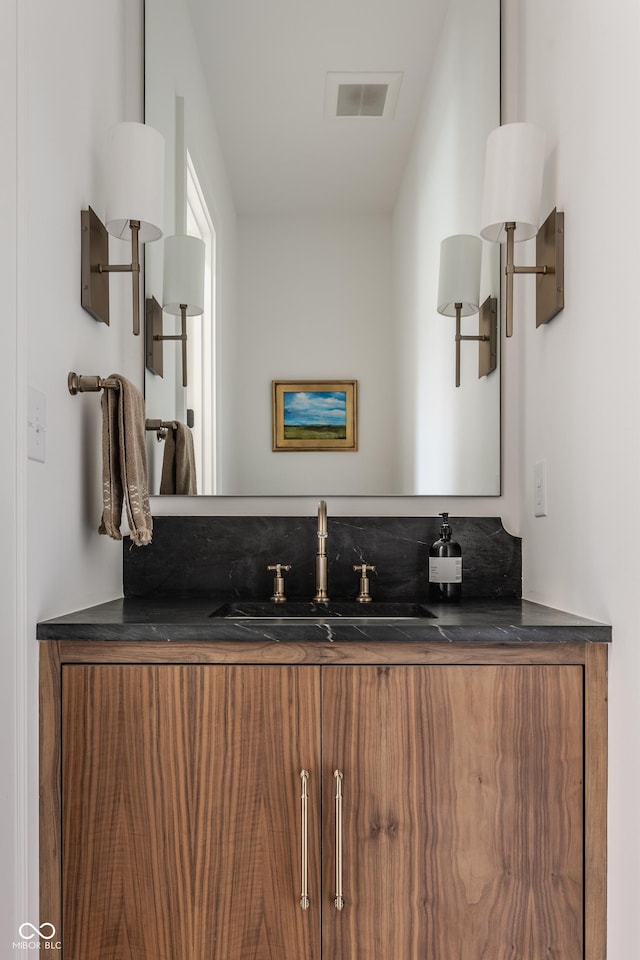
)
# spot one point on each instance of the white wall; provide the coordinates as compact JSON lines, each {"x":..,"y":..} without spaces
{"x":314,"y":302}
{"x":72,"y":70}
{"x":573,"y":68}
{"x":13,"y":709}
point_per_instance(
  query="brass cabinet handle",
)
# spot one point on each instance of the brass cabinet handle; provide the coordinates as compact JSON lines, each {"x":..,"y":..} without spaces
{"x":304,"y":883}
{"x":339,"y":898}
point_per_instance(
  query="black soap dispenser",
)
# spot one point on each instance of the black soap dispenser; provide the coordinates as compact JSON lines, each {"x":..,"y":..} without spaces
{"x":445,"y":566}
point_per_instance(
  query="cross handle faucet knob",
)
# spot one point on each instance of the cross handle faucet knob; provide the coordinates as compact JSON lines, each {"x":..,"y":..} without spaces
{"x":363,"y":569}
{"x":278,"y":581}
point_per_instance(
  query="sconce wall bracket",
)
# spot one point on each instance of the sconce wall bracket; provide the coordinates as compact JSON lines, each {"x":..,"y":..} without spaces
{"x":487,"y":338}
{"x":95,"y":268}
{"x":95,"y":252}
{"x":488,"y":331}
{"x":549,"y":270}
{"x":550,"y":253}
{"x":154,"y":338}
{"x":154,"y":352}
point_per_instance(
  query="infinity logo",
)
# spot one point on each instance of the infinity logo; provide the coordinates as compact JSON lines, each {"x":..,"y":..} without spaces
{"x":37,"y":931}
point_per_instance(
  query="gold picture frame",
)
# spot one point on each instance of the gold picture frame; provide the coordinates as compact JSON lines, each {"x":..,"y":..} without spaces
{"x":314,"y":415}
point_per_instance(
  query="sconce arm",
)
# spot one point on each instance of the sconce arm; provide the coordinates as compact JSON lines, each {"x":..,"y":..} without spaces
{"x":179,"y":336}
{"x":511,"y":268}
{"x":488,"y":321}
{"x":134,"y":266}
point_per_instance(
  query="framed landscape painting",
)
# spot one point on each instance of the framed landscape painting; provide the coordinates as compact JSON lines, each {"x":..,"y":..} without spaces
{"x":315,"y":415}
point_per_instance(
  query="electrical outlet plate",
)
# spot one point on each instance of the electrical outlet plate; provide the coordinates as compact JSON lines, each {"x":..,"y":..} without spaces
{"x":540,"y":488}
{"x":36,"y":425}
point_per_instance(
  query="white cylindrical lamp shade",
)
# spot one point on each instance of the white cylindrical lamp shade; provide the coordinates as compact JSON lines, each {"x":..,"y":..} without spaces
{"x":135,"y":181}
{"x":460,"y":262}
{"x":514,"y":167}
{"x":183,"y":281}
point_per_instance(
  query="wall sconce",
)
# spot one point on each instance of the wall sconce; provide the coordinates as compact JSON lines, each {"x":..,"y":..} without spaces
{"x":511,"y":212}
{"x":183,"y":296}
{"x":459,"y":296}
{"x":134,"y":206}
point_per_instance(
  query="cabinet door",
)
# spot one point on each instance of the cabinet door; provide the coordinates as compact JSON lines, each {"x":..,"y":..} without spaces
{"x":462,"y":812}
{"x":182,"y":812}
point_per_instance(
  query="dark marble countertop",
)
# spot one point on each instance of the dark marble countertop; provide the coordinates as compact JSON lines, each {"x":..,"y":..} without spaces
{"x":187,"y":620}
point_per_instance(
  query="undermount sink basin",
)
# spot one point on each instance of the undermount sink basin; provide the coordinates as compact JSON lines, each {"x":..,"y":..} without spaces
{"x":307,"y":609}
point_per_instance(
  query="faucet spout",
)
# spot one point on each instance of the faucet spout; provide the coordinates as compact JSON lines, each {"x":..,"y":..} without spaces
{"x":322,"y":595}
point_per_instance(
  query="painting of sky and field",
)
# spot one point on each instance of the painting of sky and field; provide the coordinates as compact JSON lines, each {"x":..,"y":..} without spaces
{"x":315,"y":415}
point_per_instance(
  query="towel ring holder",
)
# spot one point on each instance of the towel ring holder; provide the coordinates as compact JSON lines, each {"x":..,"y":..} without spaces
{"x":83,"y":384}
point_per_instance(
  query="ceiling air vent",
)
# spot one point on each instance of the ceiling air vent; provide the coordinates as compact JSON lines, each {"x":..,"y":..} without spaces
{"x":370,"y":95}
{"x":361,"y":99}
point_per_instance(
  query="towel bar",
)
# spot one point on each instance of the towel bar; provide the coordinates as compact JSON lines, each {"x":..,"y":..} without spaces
{"x":81,"y":384}
{"x":161,"y":427}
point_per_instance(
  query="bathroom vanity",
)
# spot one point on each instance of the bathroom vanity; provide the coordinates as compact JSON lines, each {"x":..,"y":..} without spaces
{"x":229,"y":778}
{"x":241,"y":788}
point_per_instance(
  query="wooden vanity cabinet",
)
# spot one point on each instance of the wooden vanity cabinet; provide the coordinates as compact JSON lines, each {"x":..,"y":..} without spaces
{"x":180,"y":810}
{"x":471,"y":824}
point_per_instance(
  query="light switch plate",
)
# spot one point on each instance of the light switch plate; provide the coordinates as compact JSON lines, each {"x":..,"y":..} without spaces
{"x":540,"y":488}
{"x":36,"y":425}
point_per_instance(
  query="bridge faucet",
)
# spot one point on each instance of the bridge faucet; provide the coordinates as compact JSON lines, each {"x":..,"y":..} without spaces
{"x":321,"y":556}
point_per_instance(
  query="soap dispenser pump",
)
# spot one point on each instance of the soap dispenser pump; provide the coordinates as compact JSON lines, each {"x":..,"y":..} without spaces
{"x":445,"y":566}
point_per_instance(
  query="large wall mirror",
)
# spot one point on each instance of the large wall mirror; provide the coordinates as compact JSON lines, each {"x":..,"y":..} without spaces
{"x":322,"y":152}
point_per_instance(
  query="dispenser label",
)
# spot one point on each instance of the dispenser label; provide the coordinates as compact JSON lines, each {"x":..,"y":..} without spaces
{"x":445,"y":569}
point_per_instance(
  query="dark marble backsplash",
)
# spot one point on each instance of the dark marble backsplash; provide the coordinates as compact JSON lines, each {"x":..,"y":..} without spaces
{"x":227,"y":557}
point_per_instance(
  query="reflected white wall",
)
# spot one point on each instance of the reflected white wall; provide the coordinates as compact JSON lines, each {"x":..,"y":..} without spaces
{"x":314,"y":303}
{"x":449,"y":438}
{"x":173,"y":70}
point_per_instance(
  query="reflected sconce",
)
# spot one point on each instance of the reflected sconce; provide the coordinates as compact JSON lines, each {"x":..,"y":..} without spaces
{"x":459,"y":296}
{"x":134,"y":208}
{"x":511,"y":212}
{"x":183,"y":296}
